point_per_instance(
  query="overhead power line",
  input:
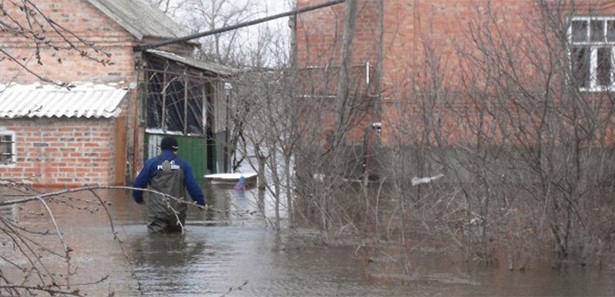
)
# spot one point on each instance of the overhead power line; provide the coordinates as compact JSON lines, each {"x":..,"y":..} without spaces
{"x":237,"y":26}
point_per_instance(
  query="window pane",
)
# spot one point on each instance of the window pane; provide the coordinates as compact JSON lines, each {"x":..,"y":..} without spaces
{"x":597,"y":30}
{"x":580,"y":66}
{"x":604,"y":67}
{"x":6,"y":149}
{"x":579,"y":31}
{"x":154,"y":100}
{"x":195,"y":107}
{"x":610,"y":31}
{"x":174,"y":109}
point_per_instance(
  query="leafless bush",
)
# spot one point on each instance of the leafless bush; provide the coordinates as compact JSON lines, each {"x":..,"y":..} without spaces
{"x":524,"y":155}
{"x":40,"y":258}
{"x":523,"y":150}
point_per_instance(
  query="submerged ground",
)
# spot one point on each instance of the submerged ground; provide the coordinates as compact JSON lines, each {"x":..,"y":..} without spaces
{"x":233,"y":251}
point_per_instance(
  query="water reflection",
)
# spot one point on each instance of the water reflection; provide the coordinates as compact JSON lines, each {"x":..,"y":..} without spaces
{"x":9,"y":212}
{"x":229,"y":206}
{"x":163,"y":261}
{"x":8,"y":215}
{"x":232,"y":245}
{"x":164,"y":251}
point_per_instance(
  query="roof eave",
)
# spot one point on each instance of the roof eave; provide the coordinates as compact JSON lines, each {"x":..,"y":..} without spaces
{"x":213,"y":68}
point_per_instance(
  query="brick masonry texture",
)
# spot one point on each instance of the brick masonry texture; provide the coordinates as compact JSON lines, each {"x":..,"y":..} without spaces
{"x":89,"y":24}
{"x":415,"y":32}
{"x":68,"y":152}
{"x":61,"y":152}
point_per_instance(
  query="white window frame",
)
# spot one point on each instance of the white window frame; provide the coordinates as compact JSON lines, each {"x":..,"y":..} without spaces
{"x":593,"y":47}
{"x":13,"y":158}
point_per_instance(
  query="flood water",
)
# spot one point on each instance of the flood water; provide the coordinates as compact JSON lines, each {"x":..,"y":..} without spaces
{"x":232,"y":250}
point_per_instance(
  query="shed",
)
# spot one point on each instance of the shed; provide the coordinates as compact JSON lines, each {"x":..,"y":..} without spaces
{"x":52,"y":136}
{"x":156,"y":85}
{"x":186,"y":98}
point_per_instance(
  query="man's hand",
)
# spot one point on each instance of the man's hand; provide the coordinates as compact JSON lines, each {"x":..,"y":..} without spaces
{"x":203,"y":207}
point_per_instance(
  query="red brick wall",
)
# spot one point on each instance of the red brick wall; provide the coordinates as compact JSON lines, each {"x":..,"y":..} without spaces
{"x":93,"y":26}
{"x":409,"y":26}
{"x":415,"y":32}
{"x":423,"y":36}
{"x":62,"y":152}
{"x":320,"y":34}
{"x":86,"y":22}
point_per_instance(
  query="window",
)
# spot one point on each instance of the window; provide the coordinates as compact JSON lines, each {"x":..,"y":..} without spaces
{"x":7,"y":148}
{"x":175,"y":100}
{"x":592,"y":52}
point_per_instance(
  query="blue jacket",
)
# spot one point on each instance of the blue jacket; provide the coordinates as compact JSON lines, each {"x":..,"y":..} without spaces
{"x":151,"y":168}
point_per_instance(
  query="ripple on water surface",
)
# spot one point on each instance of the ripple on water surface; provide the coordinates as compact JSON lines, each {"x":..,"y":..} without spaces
{"x":234,"y":248}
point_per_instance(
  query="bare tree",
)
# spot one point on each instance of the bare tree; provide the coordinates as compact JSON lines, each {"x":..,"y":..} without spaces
{"x":523,"y":149}
{"x":41,"y":258}
{"x":342,"y":108}
{"x":269,"y":120}
{"x":41,"y":261}
{"x":168,"y":6}
{"x":202,"y":15}
{"x":525,"y":153}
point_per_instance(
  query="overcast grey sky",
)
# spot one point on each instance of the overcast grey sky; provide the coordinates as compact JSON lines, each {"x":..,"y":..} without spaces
{"x":248,"y":40}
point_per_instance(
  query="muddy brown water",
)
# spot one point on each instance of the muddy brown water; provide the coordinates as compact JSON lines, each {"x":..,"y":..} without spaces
{"x":233,"y":251}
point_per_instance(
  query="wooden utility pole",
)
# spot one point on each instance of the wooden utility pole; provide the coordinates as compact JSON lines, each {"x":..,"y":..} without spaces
{"x":342,"y":105}
{"x":376,"y":115}
{"x":378,"y":80}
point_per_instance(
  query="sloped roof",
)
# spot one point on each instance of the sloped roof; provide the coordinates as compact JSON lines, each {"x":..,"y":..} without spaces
{"x":140,"y":17}
{"x":89,"y":101}
{"x":199,"y":64}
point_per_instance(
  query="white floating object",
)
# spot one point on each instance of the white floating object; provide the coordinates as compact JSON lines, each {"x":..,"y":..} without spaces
{"x":425,"y":180}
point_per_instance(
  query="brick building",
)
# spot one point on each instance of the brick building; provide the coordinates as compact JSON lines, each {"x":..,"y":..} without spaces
{"x":439,"y":67}
{"x":53,"y":136}
{"x":122,"y":99}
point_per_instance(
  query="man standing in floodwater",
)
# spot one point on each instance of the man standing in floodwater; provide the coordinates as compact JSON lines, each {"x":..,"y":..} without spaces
{"x":168,"y":174}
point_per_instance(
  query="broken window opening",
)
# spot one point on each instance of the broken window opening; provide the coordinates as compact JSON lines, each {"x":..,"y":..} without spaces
{"x":176,"y":101}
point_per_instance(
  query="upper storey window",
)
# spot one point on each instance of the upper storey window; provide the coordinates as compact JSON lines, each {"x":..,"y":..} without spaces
{"x":592,"y":52}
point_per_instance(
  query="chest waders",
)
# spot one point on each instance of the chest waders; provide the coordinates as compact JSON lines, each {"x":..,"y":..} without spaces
{"x":167,"y":214}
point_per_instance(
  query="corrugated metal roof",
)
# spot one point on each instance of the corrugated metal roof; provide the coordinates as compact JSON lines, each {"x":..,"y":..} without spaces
{"x":203,"y":65}
{"x":140,"y":18}
{"x":94,"y":101}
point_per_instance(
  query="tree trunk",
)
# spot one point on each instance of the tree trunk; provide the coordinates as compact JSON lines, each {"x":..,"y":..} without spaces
{"x":343,"y":87}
